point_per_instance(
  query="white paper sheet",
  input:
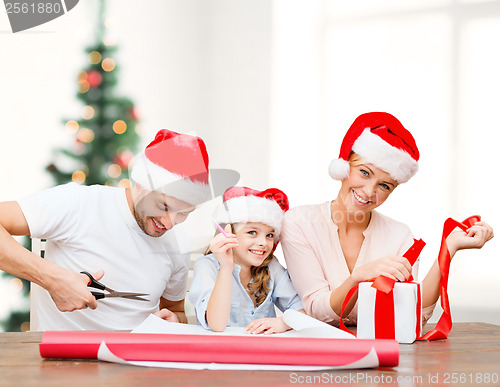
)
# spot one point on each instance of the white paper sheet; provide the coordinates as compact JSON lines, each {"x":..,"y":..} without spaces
{"x":306,"y":326}
{"x":303,"y":326}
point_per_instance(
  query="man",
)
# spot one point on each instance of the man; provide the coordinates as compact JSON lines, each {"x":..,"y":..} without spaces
{"x":121,"y":235}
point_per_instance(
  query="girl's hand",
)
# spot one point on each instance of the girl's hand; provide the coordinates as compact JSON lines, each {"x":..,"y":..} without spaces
{"x":267,"y":326}
{"x":475,"y":237}
{"x":167,"y":315}
{"x":221,"y":247}
{"x":394,"y":267}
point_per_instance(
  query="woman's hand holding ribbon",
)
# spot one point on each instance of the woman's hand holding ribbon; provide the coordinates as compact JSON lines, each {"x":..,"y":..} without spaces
{"x":474,"y":238}
{"x":395,"y":267}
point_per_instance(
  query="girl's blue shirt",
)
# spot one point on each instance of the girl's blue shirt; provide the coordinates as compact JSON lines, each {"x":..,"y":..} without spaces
{"x":281,"y":293}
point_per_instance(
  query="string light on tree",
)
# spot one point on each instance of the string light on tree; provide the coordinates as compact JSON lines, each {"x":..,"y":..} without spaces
{"x":78,"y":177}
{"x":85,"y":135}
{"x":25,"y":326}
{"x":124,"y":183}
{"x":94,"y":78}
{"x":83,"y":82}
{"x":133,"y":114}
{"x":108,"y":64}
{"x":72,"y":126}
{"x":124,"y":158}
{"x":87,"y":112}
{"x":119,"y":127}
{"x":109,"y":41}
{"x":16,"y":284}
{"x":95,"y":57}
{"x":114,"y":171}
{"x":78,"y":149}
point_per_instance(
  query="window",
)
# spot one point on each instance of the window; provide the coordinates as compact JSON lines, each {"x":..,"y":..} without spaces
{"x":434,"y":65}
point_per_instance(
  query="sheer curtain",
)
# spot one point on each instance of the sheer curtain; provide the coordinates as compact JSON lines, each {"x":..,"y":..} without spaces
{"x":431,"y":63}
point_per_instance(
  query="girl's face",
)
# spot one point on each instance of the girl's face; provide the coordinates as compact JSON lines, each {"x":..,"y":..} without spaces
{"x":366,"y":188}
{"x":256,"y":241}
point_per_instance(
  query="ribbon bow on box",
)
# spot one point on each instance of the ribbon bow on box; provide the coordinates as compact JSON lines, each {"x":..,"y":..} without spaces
{"x":384,"y":302}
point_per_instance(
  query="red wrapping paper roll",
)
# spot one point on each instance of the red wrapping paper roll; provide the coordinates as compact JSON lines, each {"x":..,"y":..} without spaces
{"x":217,"y":349}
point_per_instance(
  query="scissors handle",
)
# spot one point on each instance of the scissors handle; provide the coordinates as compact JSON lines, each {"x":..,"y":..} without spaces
{"x":94,"y":283}
{"x":97,"y":295}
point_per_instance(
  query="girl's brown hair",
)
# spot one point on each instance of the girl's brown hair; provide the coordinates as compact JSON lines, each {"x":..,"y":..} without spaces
{"x":260,"y":275}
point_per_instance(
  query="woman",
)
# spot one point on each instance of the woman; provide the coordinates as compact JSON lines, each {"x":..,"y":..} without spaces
{"x":331,"y":247}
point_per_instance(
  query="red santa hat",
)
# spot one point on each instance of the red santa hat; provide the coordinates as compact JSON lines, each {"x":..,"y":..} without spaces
{"x":379,"y":139}
{"x":243,"y":204}
{"x":175,"y":164}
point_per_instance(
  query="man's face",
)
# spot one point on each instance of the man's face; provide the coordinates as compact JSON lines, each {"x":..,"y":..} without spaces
{"x":156,"y":213}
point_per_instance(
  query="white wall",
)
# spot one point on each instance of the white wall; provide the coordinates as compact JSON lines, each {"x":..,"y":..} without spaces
{"x":237,"y":79}
{"x":333,"y":60}
{"x":193,"y":66}
{"x":262,"y":83}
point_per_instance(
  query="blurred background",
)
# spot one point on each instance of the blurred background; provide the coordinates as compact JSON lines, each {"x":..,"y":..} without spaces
{"x":271,"y":86}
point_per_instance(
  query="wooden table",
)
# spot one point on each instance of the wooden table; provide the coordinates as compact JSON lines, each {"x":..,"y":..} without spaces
{"x":470,"y":356}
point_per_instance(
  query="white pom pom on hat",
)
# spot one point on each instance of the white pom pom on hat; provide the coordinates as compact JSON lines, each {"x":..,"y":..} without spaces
{"x":379,"y":139}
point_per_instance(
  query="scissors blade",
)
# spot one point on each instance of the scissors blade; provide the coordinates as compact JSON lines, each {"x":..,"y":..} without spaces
{"x":127,"y":294}
{"x":136,"y":298}
{"x":132,"y":296}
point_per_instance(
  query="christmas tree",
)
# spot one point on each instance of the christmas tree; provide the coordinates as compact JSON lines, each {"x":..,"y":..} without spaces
{"x":105,"y":135}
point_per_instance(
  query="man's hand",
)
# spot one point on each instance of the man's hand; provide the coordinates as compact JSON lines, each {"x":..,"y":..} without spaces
{"x":167,"y":315}
{"x":69,"y":290}
{"x":175,"y":307}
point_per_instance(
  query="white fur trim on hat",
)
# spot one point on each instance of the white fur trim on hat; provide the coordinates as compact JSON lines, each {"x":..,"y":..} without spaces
{"x":250,"y":209}
{"x":396,"y":162}
{"x":155,"y":178}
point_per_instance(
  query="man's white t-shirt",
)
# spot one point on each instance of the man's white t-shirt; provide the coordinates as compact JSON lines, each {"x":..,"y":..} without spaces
{"x":89,"y":228}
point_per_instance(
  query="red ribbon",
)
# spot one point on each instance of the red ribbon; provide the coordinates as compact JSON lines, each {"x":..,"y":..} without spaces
{"x":443,"y":327}
{"x":385,"y":284}
{"x":418,"y":327}
{"x":384,"y":315}
{"x":347,"y":298}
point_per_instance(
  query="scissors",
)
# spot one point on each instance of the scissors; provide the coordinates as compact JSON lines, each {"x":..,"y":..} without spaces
{"x":98,"y":295}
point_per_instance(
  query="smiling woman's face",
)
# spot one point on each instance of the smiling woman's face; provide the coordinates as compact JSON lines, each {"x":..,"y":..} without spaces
{"x":366,"y":188}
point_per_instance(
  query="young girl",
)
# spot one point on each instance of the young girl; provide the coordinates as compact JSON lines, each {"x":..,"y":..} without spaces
{"x":241,"y":281}
{"x":331,"y":247}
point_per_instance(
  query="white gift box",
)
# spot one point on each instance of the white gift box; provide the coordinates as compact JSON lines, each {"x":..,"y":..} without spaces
{"x":407,"y":311}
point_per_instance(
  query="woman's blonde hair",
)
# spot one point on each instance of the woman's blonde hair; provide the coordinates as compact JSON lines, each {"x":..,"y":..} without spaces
{"x":260,"y":276}
{"x":355,"y":159}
